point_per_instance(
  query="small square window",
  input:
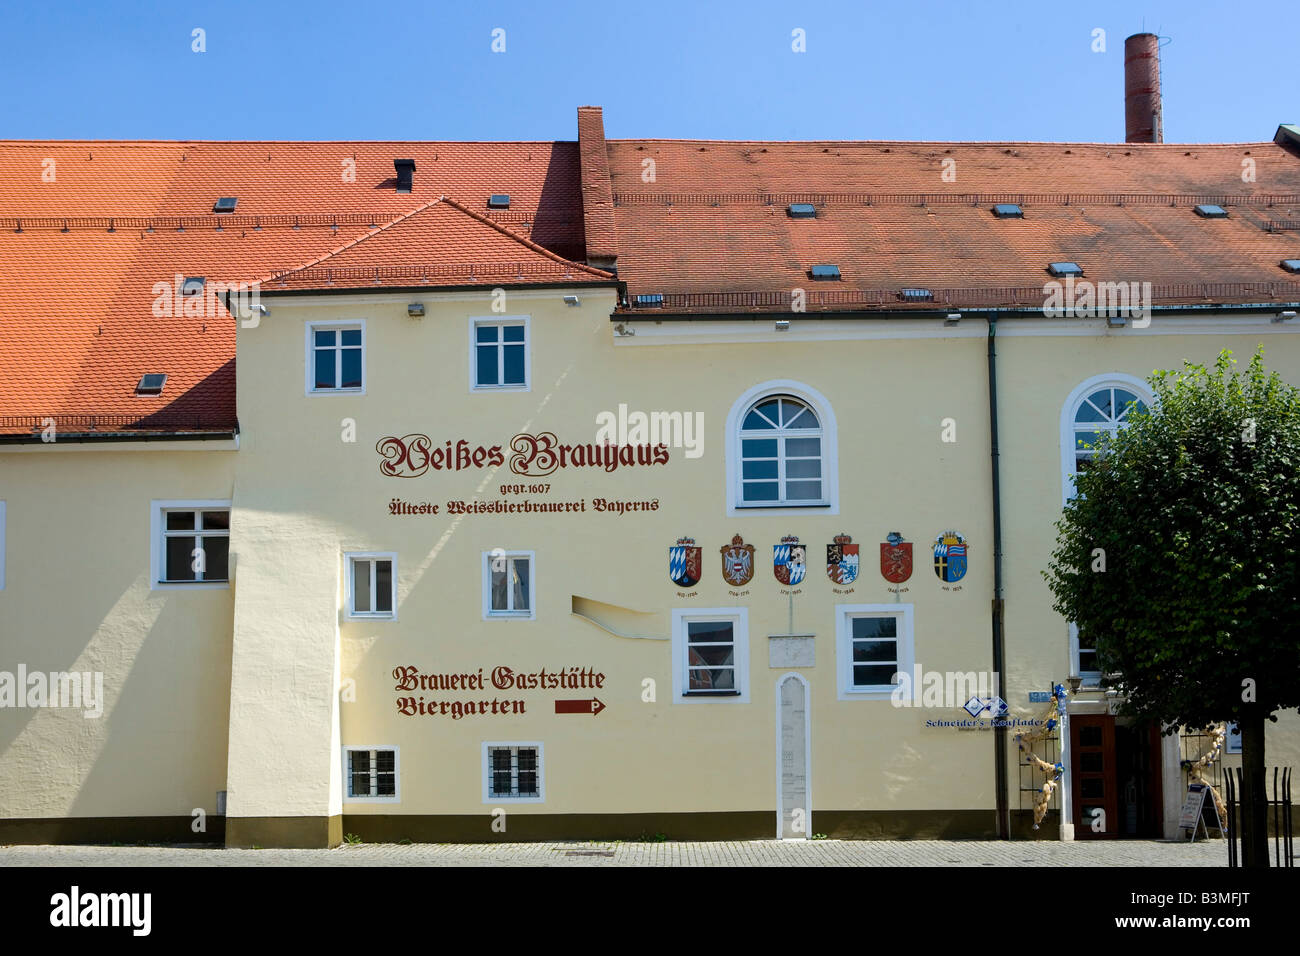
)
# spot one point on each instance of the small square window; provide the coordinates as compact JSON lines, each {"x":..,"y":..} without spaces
{"x":1008,"y":210}
{"x":151,"y":383}
{"x":825,"y":272}
{"x":372,"y":774}
{"x":1208,"y":210}
{"x":499,"y":201}
{"x":191,"y":544}
{"x":514,"y":772}
{"x":508,"y":584}
{"x":335,"y":358}
{"x":710,"y":650}
{"x":499,"y":354}
{"x":372,"y":586}
{"x":873,"y":644}
{"x":225,"y":204}
{"x":1291,"y":265}
{"x":801,"y":210}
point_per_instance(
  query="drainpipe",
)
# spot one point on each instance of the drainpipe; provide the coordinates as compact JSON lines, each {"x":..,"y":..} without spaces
{"x":999,"y":656}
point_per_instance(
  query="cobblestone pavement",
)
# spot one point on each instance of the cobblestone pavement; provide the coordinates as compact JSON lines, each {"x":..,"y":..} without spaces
{"x":738,"y":853}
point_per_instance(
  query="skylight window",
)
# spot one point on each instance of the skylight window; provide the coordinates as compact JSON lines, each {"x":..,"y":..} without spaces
{"x":1208,"y":210}
{"x":826,"y":272}
{"x":917,"y":295}
{"x":193,"y":285}
{"x":225,"y":204}
{"x":151,"y":383}
{"x":1291,"y":265}
{"x":1065,"y":269}
{"x":498,"y":201}
{"x":801,"y":210}
{"x":653,"y":301}
{"x":1008,"y":210}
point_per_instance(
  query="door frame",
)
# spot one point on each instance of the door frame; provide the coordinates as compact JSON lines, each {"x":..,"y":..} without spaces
{"x":1083,"y":828}
{"x":807,"y":756}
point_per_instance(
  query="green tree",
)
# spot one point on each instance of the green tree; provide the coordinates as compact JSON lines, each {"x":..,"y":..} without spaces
{"x":1195,"y":507}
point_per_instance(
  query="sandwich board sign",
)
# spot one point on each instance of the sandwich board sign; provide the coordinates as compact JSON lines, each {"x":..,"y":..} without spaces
{"x":1195,"y":811}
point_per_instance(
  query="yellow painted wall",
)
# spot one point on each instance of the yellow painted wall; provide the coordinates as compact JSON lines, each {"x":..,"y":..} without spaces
{"x":77,"y":598}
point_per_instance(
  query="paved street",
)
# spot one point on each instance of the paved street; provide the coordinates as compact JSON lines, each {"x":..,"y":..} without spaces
{"x":741,"y":853}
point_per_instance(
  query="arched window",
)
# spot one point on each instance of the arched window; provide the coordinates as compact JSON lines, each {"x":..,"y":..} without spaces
{"x":1099,"y":407}
{"x":781,"y":450}
{"x":781,"y":453}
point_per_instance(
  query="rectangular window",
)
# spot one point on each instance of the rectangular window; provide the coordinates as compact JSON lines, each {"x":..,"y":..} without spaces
{"x":371,"y":773}
{"x":508,"y":585}
{"x":711,"y":654}
{"x":513,"y":771}
{"x":372,"y":586}
{"x":1083,"y":658}
{"x":499,"y":353}
{"x":1232,"y":741}
{"x":335,"y":357}
{"x":191,"y":543}
{"x":873,"y":644}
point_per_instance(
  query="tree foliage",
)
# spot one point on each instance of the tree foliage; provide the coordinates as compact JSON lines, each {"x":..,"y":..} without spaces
{"x":1196,"y":509}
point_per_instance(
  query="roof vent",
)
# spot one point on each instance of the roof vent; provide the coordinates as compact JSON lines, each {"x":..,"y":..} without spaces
{"x":916,"y":295}
{"x":1008,"y":210}
{"x":405,"y":174}
{"x":801,"y":210}
{"x":653,"y":301}
{"x":225,"y":204}
{"x":499,"y":201}
{"x":826,"y":271}
{"x":1290,"y":265}
{"x":1065,"y":269}
{"x":1208,"y":210}
{"x":151,"y":383}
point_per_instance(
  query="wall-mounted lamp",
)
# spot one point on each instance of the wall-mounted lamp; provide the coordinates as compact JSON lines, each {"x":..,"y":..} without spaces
{"x":572,"y":301}
{"x":951,"y":319}
{"x":783,"y":325}
{"x":1117,"y":321}
{"x":1074,"y":683}
{"x":1284,"y":316}
{"x":415,"y":310}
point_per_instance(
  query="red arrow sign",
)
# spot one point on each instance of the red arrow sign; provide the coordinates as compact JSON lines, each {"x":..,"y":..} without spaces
{"x":591,"y":706}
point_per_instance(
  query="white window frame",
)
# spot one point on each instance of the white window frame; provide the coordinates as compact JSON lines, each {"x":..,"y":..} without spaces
{"x":830,"y":503}
{"x":502,"y":320}
{"x":309,"y":359}
{"x":485,"y":771}
{"x":349,"y":612}
{"x":158,"y":553}
{"x":1071,"y":407}
{"x":397,"y":775}
{"x":1090,"y":679}
{"x":739,"y":617}
{"x":3,"y":540}
{"x":488,"y":613}
{"x":906,"y":641}
{"x":1231,"y":741}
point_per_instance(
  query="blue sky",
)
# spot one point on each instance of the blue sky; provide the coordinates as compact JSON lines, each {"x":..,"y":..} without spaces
{"x":955,"y":70}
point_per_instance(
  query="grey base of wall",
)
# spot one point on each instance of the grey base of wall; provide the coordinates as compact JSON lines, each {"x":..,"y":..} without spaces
{"x":284,"y":832}
{"x":91,"y":830}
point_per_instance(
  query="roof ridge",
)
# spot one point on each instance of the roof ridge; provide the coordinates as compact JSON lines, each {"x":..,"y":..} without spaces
{"x":927,"y":142}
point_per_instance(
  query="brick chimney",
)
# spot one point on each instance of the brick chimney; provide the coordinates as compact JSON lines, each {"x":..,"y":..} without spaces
{"x":597,"y":191}
{"x":1143,"y":121}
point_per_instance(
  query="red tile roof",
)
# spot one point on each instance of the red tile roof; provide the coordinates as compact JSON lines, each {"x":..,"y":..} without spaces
{"x":711,"y":232}
{"x":80,"y":256}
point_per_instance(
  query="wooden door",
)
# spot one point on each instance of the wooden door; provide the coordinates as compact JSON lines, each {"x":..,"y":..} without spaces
{"x":1092,"y":770}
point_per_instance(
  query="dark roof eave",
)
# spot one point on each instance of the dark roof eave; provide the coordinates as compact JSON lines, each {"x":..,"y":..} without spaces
{"x":974,"y":312}
{"x":98,"y":437}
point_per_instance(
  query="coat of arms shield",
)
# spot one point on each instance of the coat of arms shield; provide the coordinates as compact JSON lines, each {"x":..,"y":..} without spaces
{"x":684,"y":563}
{"x":895,"y":558}
{"x":737,"y":562}
{"x":789,"y":560}
{"x":950,"y":557}
{"x":842,"y":560}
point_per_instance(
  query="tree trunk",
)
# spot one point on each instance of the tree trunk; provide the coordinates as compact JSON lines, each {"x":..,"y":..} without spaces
{"x":1254,"y":798}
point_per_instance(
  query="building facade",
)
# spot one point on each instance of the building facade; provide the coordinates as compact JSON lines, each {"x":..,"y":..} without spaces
{"x":511,"y":523}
